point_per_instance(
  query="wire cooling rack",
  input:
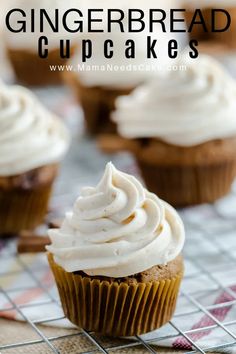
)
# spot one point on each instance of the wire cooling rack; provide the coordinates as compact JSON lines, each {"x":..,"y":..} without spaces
{"x":205,"y":318}
{"x":210,"y":255}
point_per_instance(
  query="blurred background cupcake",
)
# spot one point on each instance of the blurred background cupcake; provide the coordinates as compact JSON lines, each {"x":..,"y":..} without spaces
{"x":227,"y":38}
{"x":184,"y":131}
{"x":32,"y":143}
{"x":22,"y":48}
{"x":5,"y":69}
{"x":221,"y":45}
{"x":198,"y":31}
{"x":98,"y":82}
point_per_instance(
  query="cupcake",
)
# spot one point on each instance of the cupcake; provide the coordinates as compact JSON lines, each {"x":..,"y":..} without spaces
{"x":5,"y":70}
{"x":117,"y":258}
{"x":32,"y":143}
{"x":198,"y":32}
{"x":182,"y":129}
{"x":226,"y":38}
{"x":22,"y":48}
{"x":98,"y":82}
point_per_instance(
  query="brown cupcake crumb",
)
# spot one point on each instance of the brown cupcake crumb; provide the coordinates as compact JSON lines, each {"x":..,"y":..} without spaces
{"x":156,"y":273}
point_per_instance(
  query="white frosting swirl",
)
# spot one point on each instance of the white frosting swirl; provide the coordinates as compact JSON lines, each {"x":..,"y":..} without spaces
{"x":185,"y":107}
{"x":30,"y":136}
{"x":117,"y":229}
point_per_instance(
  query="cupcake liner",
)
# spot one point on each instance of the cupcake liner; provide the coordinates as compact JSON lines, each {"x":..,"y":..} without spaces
{"x":112,"y":308}
{"x":98,"y":103}
{"x":24,"y":208}
{"x":31,"y":70}
{"x":189,"y":185}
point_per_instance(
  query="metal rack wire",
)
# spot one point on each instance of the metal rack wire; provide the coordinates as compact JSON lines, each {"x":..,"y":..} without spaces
{"x":210,"y":256}
{"x":198,"y":233}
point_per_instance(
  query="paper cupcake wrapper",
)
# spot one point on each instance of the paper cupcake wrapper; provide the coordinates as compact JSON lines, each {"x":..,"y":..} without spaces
{"x":112,"y":308}
{"x":31,"y":70}
{"x":189,"y":185}
{"x":23,"y":209}
{"x":98,"y":103}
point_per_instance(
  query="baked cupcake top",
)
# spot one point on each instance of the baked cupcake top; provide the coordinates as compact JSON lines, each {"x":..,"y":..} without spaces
{"x":30,"y":136}
{"x":117,"y":229}
{"x":191,"y":105}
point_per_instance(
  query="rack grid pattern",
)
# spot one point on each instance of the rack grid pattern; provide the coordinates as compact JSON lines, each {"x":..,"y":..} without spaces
{"x":205,"y":234}
{"x":205,"y":240}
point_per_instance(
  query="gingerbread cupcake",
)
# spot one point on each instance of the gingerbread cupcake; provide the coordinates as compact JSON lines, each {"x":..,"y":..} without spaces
{"x":22,"y":47}
{"x":182,"y":129}
{"x":198,"y":31}
{"x":98,"y":82}
{"x":32,"y":143}
{"x":228,"y":38}
{"x":213,"y":38}
{"x":117,"y":258}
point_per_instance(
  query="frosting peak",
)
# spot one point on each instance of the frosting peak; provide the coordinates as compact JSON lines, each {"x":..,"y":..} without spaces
{"x":117,"y":229}
{"x":30,"y":136}
{"x":186,"y":107}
